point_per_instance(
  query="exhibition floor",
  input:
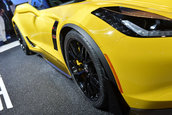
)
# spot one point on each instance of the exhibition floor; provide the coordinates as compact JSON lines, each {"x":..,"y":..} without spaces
{"x":9,"y":40}
{"x":35,"y":88}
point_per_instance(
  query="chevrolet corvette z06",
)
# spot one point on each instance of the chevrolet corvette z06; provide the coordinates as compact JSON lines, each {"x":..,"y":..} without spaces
{"x":118,"y":46}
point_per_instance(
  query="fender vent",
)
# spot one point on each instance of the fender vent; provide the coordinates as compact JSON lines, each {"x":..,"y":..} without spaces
{"x":30,"y":42}
{"x":54,"y":30}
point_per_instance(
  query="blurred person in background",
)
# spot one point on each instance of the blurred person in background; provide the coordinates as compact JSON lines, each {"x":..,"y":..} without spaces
{"x":8,"y":10}
{"x":2,"y":28}
{"x":7,"y":15}
{"x":12,"y":6}
{"x":39,"y":4}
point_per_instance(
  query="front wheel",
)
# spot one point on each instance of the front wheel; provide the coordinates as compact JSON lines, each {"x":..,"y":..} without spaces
{"x":85,"y":68}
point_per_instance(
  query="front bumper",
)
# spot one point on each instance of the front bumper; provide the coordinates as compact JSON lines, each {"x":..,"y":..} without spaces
{"x":143,"y":65}
{"x":144,"y":70}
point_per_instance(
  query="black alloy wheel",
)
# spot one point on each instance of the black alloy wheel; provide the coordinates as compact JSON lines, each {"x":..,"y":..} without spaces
{"x":22,"y":44}
{"x":83,"y":69}
{"x":86,"y":68}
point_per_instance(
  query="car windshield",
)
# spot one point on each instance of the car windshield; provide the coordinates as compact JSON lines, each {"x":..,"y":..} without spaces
{"x":53,"y":3}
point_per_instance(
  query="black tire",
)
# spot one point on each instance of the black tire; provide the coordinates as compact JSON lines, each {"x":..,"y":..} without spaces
{"x":84,"y":71}
{"x":22,"y":42}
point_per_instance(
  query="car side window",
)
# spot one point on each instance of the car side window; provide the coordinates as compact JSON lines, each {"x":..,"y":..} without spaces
{"x":39,"y":4}
{"x":57,"y":2}
{"x":53,"y":3}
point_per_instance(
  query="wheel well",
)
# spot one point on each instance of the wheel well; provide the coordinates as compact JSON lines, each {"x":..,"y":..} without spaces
{"x":113,"y":88}
{"x":103,"y":61}
{"x":63,"y":34}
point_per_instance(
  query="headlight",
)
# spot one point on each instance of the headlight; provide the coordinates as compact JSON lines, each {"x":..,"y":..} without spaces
{"x":135,"y":23}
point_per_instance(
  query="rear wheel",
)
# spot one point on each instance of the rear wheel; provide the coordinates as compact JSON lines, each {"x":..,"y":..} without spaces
{"x":22,"y":42}
{"x":86,"y":68}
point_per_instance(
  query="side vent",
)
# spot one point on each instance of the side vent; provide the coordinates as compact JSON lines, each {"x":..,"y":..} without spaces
{"x":32,"y":44}
{"x":54,"y":35}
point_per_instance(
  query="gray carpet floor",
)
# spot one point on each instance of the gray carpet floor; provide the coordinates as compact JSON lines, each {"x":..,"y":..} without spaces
{"x":35,"y":88}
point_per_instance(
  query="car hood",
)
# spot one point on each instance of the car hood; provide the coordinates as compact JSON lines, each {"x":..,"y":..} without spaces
{"x":160,"y":5}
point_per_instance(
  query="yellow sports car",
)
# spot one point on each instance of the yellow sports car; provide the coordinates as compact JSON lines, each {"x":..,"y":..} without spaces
{"x":121,"y":46}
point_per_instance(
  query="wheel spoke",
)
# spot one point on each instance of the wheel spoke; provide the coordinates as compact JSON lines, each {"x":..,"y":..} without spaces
{"x":94,"y":82}
{"x":73,"y":51}
{"x":81,"y":53}
{"x":87,"y":59}
{"x":72,"y":54}
{"x":87,"y":92}
{"x":72,"y":63}
{"x":90,"y":90}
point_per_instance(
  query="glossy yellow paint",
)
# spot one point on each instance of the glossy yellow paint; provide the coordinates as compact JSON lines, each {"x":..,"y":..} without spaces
{"x":143,"y":65}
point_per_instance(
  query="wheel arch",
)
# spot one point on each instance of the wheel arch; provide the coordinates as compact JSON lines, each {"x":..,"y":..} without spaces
{"x":66,"y":28}
{"x":109,"y":75}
